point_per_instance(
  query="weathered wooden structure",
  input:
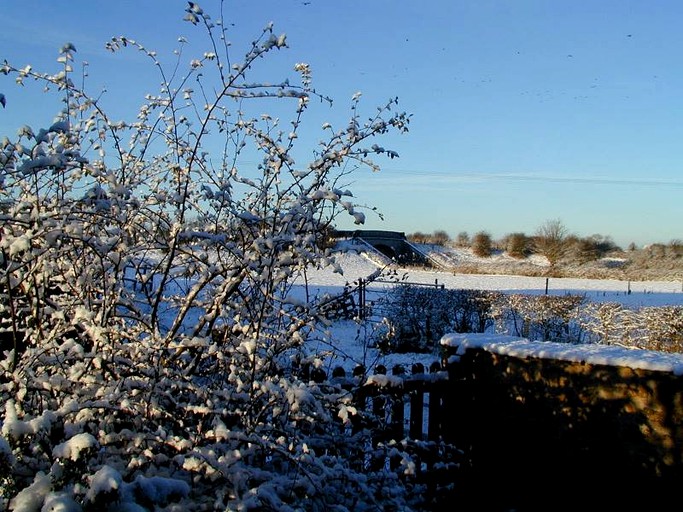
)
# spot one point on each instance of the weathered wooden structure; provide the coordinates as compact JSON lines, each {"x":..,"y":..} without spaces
{"x":498,"y":431}
{"x":556,"y":433}
{"x":392,"y":244}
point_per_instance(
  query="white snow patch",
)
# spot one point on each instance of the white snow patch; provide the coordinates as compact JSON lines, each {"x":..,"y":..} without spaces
{"x":105,"y":480}
{"x":588,"y":353}
{"x":32,"y":497}
{"x":72,"y":448}
{"x":60,"y":502}
{"x":385,"y":380}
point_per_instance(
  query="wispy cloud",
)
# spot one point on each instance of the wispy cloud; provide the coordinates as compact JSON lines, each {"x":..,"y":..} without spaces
{"x":432,"y":179}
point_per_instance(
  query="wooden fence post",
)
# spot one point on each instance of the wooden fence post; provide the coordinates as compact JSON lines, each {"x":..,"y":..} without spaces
{"x":397,"y":408}
{"x":417,"y":407}
{"x":434,"y":423}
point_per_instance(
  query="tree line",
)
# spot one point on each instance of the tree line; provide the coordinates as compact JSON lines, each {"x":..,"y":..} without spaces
{"x":552,"y":239}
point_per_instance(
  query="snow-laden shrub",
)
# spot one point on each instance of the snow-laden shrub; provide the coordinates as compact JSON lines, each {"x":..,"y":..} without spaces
{"x":418,"y":316}
{"x":540,"y":317}
{"x":146,"y":277}
{"x":652,"y":328}
{"x":573,"y":319}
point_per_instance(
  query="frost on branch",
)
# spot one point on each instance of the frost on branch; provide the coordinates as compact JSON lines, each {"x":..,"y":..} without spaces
{"x":147,"y":320}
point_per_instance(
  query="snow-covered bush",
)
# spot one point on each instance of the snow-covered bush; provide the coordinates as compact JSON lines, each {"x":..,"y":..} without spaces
{"x":664,"y":326}
{"x":609,"y":323}
{"x":573,"y":319}
{"x":415,"y":318}
{"x":418,"y":316}
{"x":540,"y":317}
{"x":145,"y":315}
{"x":652,"y":328}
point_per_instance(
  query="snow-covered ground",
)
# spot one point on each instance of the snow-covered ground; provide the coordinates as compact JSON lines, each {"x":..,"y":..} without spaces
{"x":451,"y":256}
{"x":357,"y":264}
{"x":346,"y":343}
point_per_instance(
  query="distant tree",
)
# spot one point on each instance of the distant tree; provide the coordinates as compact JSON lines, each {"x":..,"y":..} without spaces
{"x":418,"y":237}
{"x":517,"y":245}
{"x":582,"y":250}
{"x":603,"y":244}
{"x":463,"y":239}
{"x":657,"y":250}
{"x":590,"y":248}
{"x":482,"y":245}
{"x":676,"y":247}
{"x":440,"y":237}
{"x":550,"y":240}
{"x":632,"y":247}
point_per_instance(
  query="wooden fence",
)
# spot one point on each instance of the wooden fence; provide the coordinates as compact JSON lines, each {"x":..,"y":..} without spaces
{"x":353,"y":300}
{"x":409,"y":409}
{"x":402,"y":405}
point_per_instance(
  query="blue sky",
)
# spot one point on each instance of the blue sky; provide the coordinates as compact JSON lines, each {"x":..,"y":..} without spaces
{"x":522,"y":111}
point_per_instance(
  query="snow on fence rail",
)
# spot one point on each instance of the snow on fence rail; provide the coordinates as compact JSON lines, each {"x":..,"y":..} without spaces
{"x":410,"y":409}
{"x":397,"y":406}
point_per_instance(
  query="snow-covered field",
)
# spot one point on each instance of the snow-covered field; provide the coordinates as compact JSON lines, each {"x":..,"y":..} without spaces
{"x":346,"y":343}
{"x":359,"y":265}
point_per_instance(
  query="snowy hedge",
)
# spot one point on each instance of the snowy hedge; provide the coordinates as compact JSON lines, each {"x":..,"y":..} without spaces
{"x":418,"y":316}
